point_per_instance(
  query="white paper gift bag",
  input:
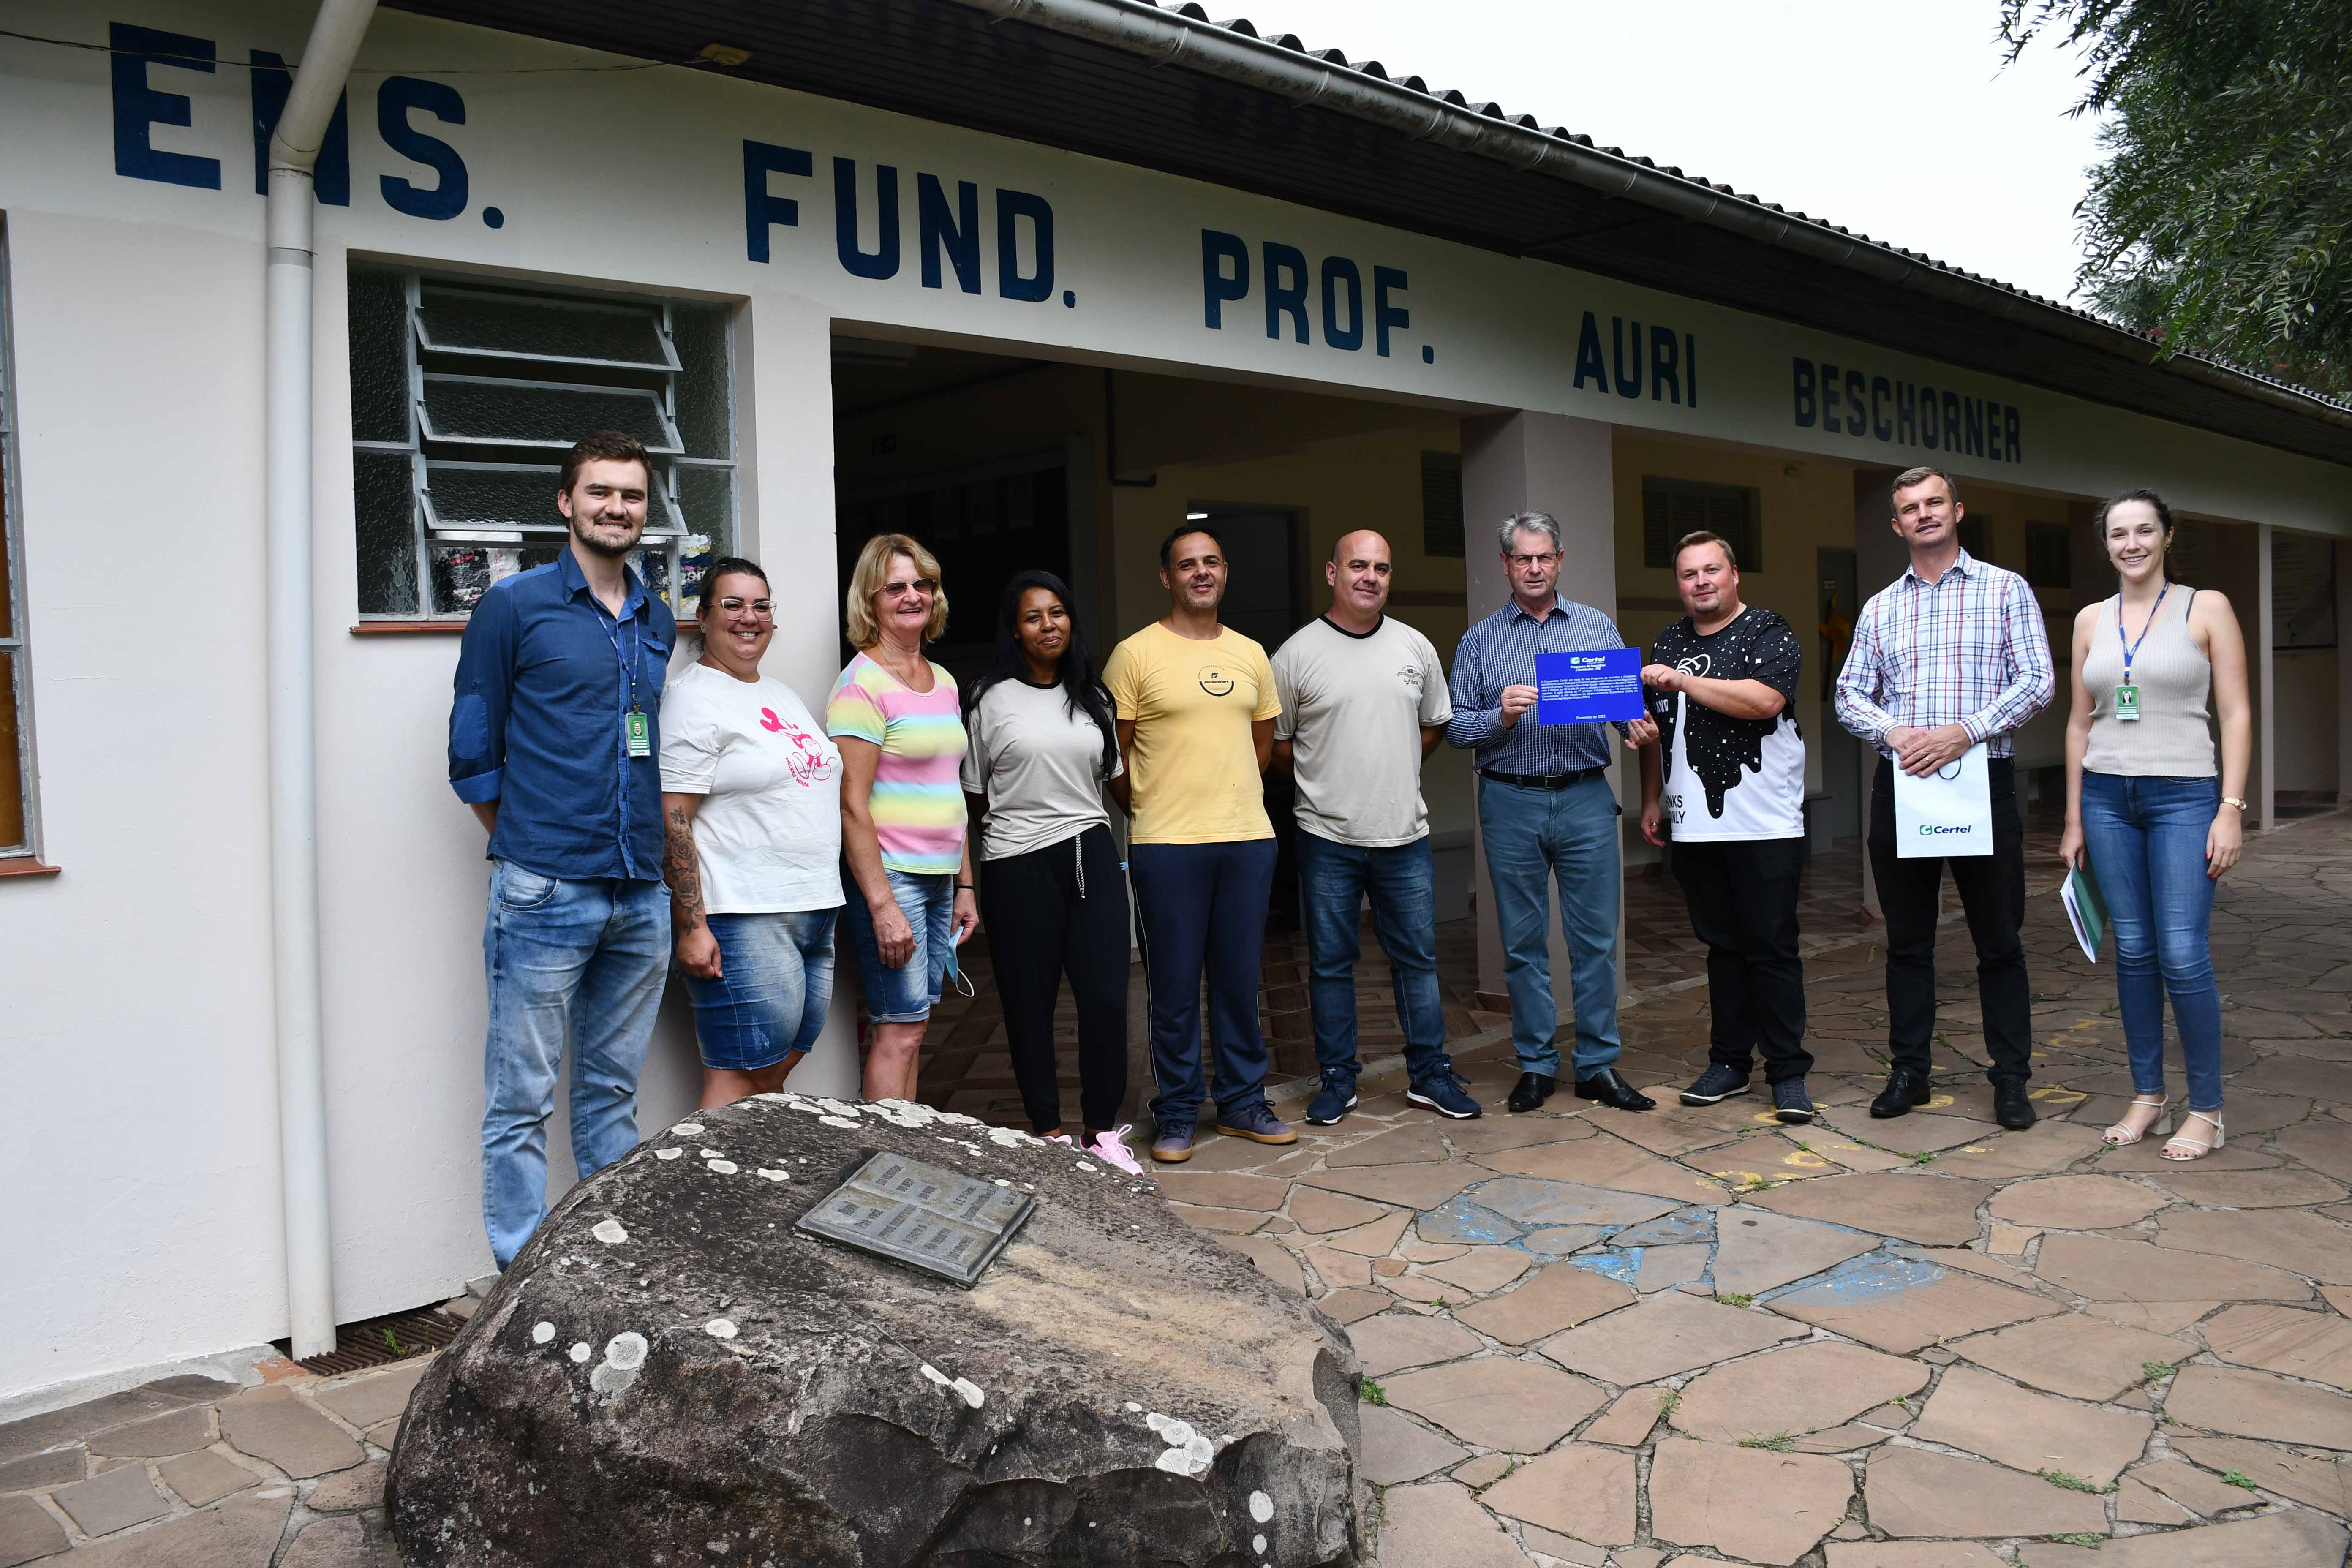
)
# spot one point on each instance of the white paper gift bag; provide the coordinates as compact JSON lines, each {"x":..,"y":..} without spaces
{"x":1947,"y":812}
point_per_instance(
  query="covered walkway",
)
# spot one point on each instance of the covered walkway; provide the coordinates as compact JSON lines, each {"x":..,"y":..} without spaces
{"x":1593,"y":1339}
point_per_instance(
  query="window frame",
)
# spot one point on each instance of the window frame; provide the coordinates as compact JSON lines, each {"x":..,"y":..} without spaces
{"x":17,"y":642}
{"x":669,"y":461}
{"x":1749,"y":549}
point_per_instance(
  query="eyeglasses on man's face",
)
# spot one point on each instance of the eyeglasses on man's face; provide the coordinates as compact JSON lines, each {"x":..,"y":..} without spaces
{"x":1522,"y":562}
{"x":899,"y":589}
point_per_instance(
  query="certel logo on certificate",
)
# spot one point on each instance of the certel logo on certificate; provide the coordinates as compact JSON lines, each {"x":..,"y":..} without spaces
{"x":1588,"y":686}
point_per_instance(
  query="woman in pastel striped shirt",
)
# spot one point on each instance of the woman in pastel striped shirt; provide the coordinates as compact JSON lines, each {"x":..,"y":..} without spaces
{"x":900,"y":723}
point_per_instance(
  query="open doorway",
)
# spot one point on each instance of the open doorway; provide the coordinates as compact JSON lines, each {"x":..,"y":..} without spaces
{"x":1001,"y":463}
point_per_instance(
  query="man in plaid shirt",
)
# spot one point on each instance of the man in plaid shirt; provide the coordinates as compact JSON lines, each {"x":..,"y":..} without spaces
{"x":1952,"y":653}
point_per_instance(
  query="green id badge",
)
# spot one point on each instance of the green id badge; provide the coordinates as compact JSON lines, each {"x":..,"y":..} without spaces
{"x":640,"y":733}
{"x":2126,"y":702}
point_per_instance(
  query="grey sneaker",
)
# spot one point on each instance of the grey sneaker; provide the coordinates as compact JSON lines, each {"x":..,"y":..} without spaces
{"x":1718,"y":1082}
{"x":1257,"y":1124}
{"x":1171,"y":1144}
{"x":1791,"y":1102}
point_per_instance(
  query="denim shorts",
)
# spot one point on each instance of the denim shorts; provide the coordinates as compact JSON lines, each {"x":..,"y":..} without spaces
{"x":775,"y":982}
{"x":905,"y":995}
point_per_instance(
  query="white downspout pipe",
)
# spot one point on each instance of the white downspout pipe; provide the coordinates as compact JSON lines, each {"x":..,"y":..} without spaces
{"x":293,"y":716}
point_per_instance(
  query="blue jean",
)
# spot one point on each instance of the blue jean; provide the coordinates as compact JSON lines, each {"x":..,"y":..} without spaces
{"x":569,"y":962}
{"x":1203,"y":909}
{"x":1333,"y":878}
{"x":2146,"y":837}
{"x":1532,"y":838}
{"x":775,"y":982}
{"x":907,"y":993}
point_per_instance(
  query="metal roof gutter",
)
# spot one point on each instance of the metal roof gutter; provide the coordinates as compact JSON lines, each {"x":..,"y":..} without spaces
{"x":1325,"y":80}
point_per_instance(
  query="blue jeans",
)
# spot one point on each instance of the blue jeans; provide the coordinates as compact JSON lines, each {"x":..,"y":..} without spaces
{"x":1333,"y":878}
{"x":1532,"y":836}
{"x":1203,"y":909}
{"x":907,"y":993}
{"x":775,"y":982}
{"x":581,"y":962}
{"x":2146,"y":843}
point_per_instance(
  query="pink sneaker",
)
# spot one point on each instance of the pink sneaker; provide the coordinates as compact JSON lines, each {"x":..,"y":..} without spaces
{"x":1111,"y":1149}
{"x":1064,"y":1139}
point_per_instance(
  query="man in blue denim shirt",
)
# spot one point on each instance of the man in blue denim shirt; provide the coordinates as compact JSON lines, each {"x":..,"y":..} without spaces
{"x":553,"y":742}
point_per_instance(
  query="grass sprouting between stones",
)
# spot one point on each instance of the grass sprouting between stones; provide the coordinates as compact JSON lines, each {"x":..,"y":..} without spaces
{"x":1778,"y":1442}
{"x":2239,"y":1479}
{"x":2072,"y":1482}
{"x":2155,"y":1370}
{"x":1734,"y":1298}
{"x":1372,"y":1393}
{"x":2079,"y":1538}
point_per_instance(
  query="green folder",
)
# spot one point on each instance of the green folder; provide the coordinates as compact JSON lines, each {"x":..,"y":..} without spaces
{"x":2087,"y":909}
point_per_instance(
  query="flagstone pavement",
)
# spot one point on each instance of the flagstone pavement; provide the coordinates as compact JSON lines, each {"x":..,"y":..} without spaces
{"x":1687,"y":1337}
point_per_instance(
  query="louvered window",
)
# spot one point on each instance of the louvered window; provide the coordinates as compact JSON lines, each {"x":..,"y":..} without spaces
{"x":1673,"y":508}
{"x":19,"y":838}
{"x":2049,"y":555}
{"x":466,"y":396}
{"x":1440,"y":504}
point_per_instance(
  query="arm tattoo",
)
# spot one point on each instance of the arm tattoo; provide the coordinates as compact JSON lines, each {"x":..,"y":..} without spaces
{"x":682,"y":870}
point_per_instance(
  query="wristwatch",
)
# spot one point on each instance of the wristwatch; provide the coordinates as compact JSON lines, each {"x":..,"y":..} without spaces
{"x":2232,"y":800}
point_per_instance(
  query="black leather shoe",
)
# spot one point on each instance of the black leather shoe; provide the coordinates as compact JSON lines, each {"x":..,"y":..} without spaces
{"x":1906,"y":1087}
{"x":2011,"y":1106}
{"x":1532,"y":1089}
{"x":1611,"y":1090}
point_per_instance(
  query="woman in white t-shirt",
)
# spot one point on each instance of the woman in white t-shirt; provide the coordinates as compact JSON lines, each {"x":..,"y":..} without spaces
{"x":752,"y":818}
{"x":1053,"y":892}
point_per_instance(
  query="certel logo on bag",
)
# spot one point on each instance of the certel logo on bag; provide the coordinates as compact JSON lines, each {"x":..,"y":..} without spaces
{"x":1936,"y":829}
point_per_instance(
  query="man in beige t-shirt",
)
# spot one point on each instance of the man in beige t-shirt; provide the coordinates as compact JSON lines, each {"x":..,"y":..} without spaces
{"x":1363,"y":703}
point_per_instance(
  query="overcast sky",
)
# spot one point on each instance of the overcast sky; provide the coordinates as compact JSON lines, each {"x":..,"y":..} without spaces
{"x":1893,"y":118}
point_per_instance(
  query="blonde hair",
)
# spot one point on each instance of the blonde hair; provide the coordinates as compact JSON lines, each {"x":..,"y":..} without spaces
{"x":872,"y":570}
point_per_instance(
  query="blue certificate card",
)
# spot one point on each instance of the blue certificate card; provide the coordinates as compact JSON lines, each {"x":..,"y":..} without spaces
{"x":1588,"y":686}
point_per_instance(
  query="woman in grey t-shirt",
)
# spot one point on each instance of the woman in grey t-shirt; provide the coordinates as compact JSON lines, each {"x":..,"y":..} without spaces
{"x":1053,"y":894}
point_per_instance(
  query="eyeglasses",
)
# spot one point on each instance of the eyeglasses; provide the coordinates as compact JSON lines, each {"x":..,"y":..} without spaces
{"x":926,"y":586}
{"x":765,"y":609}
{"x":1521,"y":562}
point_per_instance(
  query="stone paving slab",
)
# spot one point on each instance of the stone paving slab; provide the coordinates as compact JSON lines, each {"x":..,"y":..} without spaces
{"x":2298,"y":1539}
{"x":1797,"y":1389}
{"x":1664,"y":1335}
{"x":1751,"y":1503}
{"x":2074,"y":1354}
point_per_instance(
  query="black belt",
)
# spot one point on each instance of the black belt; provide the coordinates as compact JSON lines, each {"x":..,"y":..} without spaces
{"x":1542,"y":781}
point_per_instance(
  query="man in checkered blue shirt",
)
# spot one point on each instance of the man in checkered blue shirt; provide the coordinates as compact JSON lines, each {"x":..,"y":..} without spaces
{"x":1951,"y":654}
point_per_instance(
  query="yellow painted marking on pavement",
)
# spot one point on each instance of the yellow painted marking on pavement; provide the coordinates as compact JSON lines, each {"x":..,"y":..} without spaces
{"x":2057,"y":1096}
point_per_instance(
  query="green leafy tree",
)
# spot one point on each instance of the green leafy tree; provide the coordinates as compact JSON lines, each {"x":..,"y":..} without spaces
{"x":2220,"y":218}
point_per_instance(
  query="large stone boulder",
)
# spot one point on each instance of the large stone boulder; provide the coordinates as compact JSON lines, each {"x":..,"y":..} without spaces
{"x":671,"y":1374}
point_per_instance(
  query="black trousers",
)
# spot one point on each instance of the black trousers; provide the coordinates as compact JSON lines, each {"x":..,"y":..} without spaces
{"x":1743,"y":905}
{"x":1041,"y":926}
{"x":1992,"y":893}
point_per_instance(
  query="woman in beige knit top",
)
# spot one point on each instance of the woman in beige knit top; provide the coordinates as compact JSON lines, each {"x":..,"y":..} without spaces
{"x":2158,"y":815}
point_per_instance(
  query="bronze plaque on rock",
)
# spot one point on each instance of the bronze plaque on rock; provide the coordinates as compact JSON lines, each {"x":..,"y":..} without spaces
{"x":924,"y":1216}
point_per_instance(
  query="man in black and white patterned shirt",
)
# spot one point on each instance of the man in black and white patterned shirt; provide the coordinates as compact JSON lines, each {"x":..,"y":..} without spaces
{"x":1720,"y":682}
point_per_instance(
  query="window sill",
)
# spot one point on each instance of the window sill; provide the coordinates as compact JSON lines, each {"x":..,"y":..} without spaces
{"x":24,"y":868}
{"x":404,"y":628}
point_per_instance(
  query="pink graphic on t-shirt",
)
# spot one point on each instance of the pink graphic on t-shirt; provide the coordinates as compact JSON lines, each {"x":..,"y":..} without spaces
{"x":809,"y":764}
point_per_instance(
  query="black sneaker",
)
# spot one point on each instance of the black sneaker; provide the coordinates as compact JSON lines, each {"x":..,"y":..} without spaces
{"x":1791,"y":1102}
{"x":1335,"y":1100}
{"x":1444,"y":1095}
{"x":1718,"y":1082}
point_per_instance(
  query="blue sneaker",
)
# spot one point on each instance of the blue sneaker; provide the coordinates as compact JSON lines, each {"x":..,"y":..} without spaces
{"x":1335,"y":1100}
{"x":1257,"y":1124}
{"x":1171,"y":1143}
{"x":1791,"y":1102}
{"x":1445,"y":1095}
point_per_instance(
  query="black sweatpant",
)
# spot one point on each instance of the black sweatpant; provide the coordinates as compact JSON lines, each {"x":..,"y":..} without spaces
{"x":1056,"y":910}
{"x":1992,"y":894}
{"x":1743,"y":905}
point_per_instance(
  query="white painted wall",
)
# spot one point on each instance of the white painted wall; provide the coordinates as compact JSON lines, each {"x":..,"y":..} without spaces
{"x":138,"y":1128}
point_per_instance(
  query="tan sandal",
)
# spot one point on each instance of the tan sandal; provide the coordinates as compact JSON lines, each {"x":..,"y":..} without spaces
{"x":2120,"y":1136}
{"x":2188,"y":1148}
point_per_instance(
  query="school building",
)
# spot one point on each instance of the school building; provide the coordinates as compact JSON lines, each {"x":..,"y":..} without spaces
{"x":1034,"y":279}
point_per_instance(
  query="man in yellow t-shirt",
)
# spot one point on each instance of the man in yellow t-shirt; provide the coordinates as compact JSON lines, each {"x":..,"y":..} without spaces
{"x":1196,"y":707}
